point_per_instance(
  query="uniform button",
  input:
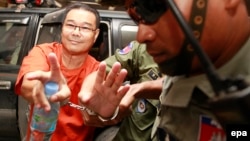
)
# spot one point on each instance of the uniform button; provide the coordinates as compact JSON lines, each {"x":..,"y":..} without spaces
{"x":198,"y":20}
{"x":200,"y":4}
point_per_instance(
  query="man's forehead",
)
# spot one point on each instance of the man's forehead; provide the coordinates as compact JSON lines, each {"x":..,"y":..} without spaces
{"x":86,"y":16}
{"x":79,"y":12}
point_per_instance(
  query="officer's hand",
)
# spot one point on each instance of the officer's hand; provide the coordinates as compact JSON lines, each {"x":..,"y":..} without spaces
{"x":128,"y":99}
{"x":103,"y":94}
{"x":42,"y":78}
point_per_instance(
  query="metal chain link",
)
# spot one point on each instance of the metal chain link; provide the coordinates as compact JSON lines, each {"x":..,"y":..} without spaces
{"x":82,"y":108}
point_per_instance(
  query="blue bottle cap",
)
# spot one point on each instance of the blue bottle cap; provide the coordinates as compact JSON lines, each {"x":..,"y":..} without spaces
{"x":51,"y":88}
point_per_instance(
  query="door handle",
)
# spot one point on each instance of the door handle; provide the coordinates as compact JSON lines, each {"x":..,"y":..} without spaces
{"x":5,"y":85}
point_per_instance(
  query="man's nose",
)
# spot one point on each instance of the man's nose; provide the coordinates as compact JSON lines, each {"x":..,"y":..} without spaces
{"x":77,"y":30}
{"x":145,"y":33}
{"x":77,"y":27}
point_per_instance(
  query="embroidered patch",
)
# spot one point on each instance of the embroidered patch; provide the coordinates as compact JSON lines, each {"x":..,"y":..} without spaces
{"x":126,"y":49}
{"x":210,"y":130}
{"x":141,"y":106}
{"x":152,"y":74}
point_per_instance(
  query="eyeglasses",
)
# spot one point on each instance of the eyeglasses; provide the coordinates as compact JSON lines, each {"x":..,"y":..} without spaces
{"x":146,"y":11}
{"x":82,"y":29}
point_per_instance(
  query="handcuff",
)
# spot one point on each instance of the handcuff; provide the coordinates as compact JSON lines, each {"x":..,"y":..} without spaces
{"x":90,"y":112}
{"x":82,"y":108}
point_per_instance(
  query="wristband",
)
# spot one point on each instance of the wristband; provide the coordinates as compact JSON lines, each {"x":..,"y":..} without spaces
{"x":113,"y":117}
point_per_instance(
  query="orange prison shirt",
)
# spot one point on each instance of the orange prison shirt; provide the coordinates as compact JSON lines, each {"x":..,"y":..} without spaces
{"x":70,"y":125}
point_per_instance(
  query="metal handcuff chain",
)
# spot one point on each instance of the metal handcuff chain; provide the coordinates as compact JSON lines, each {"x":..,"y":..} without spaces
{"x":90,"y":112}
{"x":81,"y":108}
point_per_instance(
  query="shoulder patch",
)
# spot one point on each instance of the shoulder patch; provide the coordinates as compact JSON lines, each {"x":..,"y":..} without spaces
{"x":152,"y":74}
{"x":141,"y":106}
{"x":126,"y":49}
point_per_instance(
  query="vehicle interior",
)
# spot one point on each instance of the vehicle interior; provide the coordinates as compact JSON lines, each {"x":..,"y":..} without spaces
{"x":11,"y":36}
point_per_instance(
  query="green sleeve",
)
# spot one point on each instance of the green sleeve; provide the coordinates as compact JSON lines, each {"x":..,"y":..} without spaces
{"x":136,"y":61}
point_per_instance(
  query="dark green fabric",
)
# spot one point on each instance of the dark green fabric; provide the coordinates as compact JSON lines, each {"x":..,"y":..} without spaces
{"x":138,"y":126}
{"x":140,"y":67}
{"x":137,"y":62}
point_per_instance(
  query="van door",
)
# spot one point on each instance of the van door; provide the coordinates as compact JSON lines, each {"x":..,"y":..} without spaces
{"x":12,"y":37}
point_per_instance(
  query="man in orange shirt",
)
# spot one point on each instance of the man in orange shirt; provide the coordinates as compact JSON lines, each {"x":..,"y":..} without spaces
{"x":66,"y":63}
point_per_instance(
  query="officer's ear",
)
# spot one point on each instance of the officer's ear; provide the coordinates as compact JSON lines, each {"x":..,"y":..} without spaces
{"x":232,"y":4}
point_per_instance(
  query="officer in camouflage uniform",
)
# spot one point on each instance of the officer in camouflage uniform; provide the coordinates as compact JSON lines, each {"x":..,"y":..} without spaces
{"x":140,"y":67}
{"x":185,"y":114}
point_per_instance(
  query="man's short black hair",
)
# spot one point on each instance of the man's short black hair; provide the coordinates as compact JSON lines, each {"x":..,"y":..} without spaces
{"x":79,"y":5}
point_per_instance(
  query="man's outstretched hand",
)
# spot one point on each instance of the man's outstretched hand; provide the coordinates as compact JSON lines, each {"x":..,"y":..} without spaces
{"x":102,"y":93}
{"x":42,"y":78}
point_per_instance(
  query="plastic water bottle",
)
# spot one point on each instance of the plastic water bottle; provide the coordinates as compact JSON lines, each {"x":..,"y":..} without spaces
{"x":43,"y":123}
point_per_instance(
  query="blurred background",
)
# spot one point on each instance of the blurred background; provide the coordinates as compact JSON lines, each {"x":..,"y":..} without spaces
{"x":52,"y":3}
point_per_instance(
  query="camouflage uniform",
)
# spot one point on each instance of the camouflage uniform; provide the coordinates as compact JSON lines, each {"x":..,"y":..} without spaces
{"x":184,"y":113}
{"x":140,"y":67}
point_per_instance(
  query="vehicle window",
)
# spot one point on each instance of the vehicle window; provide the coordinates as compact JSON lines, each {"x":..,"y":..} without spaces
{"x":11,"y":37}
{"x":128,"y":34}
{"x":49,"y":33}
